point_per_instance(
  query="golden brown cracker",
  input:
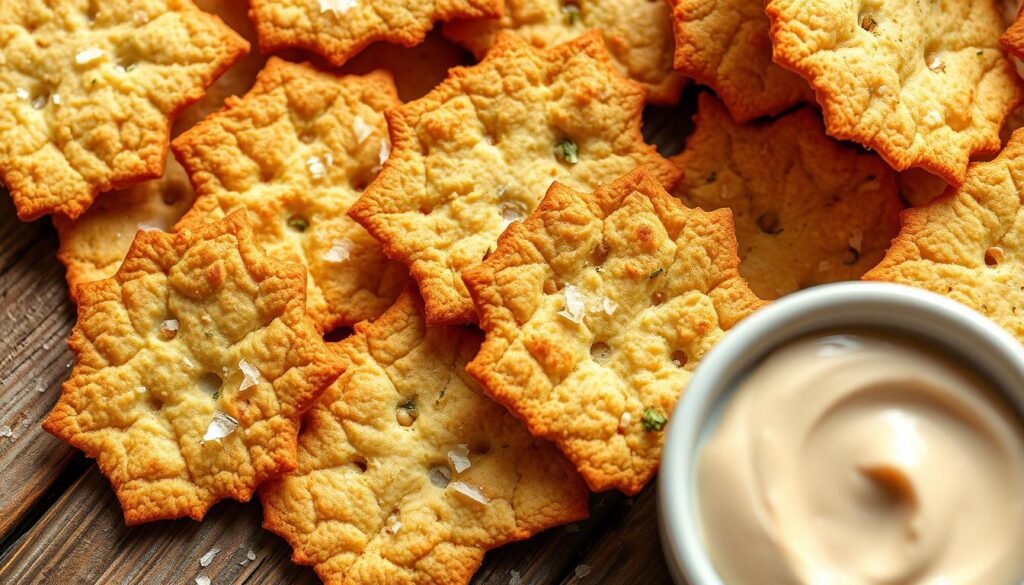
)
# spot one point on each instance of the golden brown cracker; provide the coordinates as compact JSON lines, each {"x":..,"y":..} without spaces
{"x":89,"y":91}
{"x":295,"y":153}
{"x":638,"y":34}
{"x":597,"y":309}
{"x":193,"y":366}
{"x":339,"y":29}
{"x":479,"y":151}
{"x":407,"y":472}
{"x":808,"y":209}
{"x":725,"y":45}
{"x":969,"y":244}
{"x":924,"y":85}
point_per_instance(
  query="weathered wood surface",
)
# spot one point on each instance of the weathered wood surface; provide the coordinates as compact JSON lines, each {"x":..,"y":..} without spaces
{"x":60,"y":522}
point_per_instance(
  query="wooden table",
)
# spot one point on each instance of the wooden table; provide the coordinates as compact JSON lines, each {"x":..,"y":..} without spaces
{"x":60,"y":522}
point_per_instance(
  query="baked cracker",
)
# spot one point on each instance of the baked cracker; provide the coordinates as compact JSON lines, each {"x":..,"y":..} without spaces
{"x":638,"y":34}
{"x":88,"y":91}
{"x":295,"y":153}
{"x":597,"y":309}
{"x":725,"y":45}
{"x":340,"y":29}
{"x":407,"y":472}
{"x":808,"y":209}
{"x":923,"y":84}
{"x":969,"y":243}
{"x":193,"y":366}
{"x":479,"y":151}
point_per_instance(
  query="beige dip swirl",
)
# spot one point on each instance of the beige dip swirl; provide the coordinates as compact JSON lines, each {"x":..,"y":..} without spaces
{"x":863,"y":459}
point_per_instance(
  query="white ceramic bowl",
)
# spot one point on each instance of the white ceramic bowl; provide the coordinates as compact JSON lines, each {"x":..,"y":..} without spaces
{"x":979,"y":342}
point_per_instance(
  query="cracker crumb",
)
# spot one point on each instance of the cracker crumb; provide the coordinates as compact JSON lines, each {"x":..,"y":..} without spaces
{"x":470,"y":492}
{"x":459,"y":457}
{"x":206,"y":559}
{"x":221,"y":426}
{"x":511,"y":211}
{"x":933,"y":118}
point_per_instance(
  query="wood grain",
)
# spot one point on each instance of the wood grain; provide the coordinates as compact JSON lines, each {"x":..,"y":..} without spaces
{"x":60,"y":522}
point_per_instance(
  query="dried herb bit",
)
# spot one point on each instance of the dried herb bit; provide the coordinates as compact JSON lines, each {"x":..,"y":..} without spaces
{"x":571,"y":14}
{"x":868,"y":23}
{"x":656,"y":273}
{"x":769,"y":223}
{"x":851,"y":256}
{"x":567,"y":151}
{"x":980,"y":53}
{"x":298,"y":224}
{"x":653,"y":420}
{"x":712,"y":177}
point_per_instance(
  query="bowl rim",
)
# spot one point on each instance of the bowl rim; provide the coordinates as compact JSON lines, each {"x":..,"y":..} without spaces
{"x":825,"y":307}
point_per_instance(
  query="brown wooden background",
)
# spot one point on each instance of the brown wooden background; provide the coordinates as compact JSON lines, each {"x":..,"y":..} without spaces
{"x":60,"y":522}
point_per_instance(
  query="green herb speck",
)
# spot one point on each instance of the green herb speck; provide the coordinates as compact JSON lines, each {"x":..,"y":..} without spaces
{"x":656,"y":273}
{"x":567,"y":151}
{"x":298,"y":224}
{"x":653,"y":420}
{"x":571,"y":14}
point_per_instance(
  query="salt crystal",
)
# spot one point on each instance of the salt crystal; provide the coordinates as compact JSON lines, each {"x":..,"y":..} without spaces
{"x":361,"y":128}
{"x":936,"y":64}
{"x":439,"y":476}
{"x":510,"y":212}
{"x":170,"y":325}
{"x":460,"y":458}
{"x":933,"y":117}
{"x":250,"y":555}
{"x":339,"y":252}
{"x":5,"y":431}
{"x":394,"y":524}
{"x":221,"y":426}
{"x":39,"y":102}
{"x":624,"y":420}
{"x":385,"y":152}
{"x":88,"y":55}
{"x":582,"y":571}
{"x":609,"y":305}
{"x":141,"y":389}
{"x":189,"y":363}
{"x":337,"y":6}
{"x":251,"y":375}
{"x":202,"y":580}
{"x":514,"y":578}
{"x":56,"y":99}
{"x":22,"y":93}
{"x":575,"y":304}
{"x":316,"y":167}
{"x":206,"y":559}
{"x":469,"y":491}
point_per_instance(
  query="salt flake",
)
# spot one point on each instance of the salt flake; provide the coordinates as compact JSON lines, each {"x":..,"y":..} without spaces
{"x":316,"y":167}
{"x":609,"y":306}
{"x":933,"y":118}
{"x":221,"y":426}
{"x":206,"y":559}
{"x":439,"y":476}
{"x":202,"y":580}
{"x":394,"y":524}
{"x":470,"y":492}
{"x":459,"y":457}
{"x":250,"y":555}
{"x":22,"y":93}
{"x":170,"y":325}
{"x":337,"y":6}
{"x":510,"y":212}
{"x":575,"y":304}
{"x":361,"y":128}
{"x":251,"y":375}
{"x":5,"y":431}
{"x":339,"y":252}
{"x":624,"y":420}
{"x":385,"y":152}
{"x":88,"y":55}
{"x":141,"y":389}
{"x":514,"y":578}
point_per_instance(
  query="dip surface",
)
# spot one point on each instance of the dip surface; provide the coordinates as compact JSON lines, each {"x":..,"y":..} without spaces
{"x":861,"y":458}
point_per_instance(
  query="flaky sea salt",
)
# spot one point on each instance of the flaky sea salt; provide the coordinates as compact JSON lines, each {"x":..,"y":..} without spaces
{"x":221,"y":426}
{"x":170,"y":325}
{"x":361,"y":128}
{"x":933,"y":117}
{"x":459,"y":457}
{"x":5,"y":431}
{"x":440,"y":476}
{"x":394,"y":524}
{"x":824,"y":265}
{"x":250,"y":555}
{"x":575,"y":304}
{"x":205,"y":560}
{"x":89,"y":55}
{"x":317,"y":168}
{"x":189,"y":363}
{"x":384,"y":153}
{"x":470,"y":492}
{"x":202,"y":580}
{"x":250,"y":375}
{"x":337,"y":6}
{"x":624,"y":420}
{"x":511,"y":211}
{"x":22,"y":93}
{"x":55,"y":98}
{"x":141,"y":389}
{"x":514,"y":578}
{"x":339,"y":251}
{"x":609,"y":306}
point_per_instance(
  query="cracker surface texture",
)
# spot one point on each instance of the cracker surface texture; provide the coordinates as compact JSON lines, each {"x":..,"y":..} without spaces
{"x":1012,"y":40}
{"x":725,"y":45}
{"x":295,"y":153}
{"x":479,"y":151}
{"x":193,"y":366}
{"x":638,"y":34}
{"x":924,"y":84}
{"x":88,"y":91}
{"x":340,"y":29}
{"x":597,"y":309}
{"x":969,"y":244}
{"x":808,"y":209}
{"x":407,"y":472}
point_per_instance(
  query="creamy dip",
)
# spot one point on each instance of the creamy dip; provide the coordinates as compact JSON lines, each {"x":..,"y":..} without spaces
{"x":864,"y":459}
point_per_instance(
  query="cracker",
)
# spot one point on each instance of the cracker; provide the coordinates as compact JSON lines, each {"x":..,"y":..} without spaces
{"x":93,"y":246}
{"x":90,"y":88}
{"x":969,"y":244}
{"x":1012,"y":39}
{"x":407,"y":472}
{"x":194,"y":364}
{"x":808,"y":209}
{"x":925,"y":85}
{"x":725,"y":45}
{"x":295,"y":153}
{"x":479,"y":151}
{"x":340,"y":29}
{"x":597,"y":309}
{"x":638,"y":34}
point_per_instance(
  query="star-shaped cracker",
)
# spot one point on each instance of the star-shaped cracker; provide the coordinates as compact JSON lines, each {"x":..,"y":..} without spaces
{"x":808,"y":209}
{"x":923,"y":84}
{"x":407,"y":472}
{"x":597,"y":309}
{"x":194,"y":364}
{"x":725,"y":45}
{"x":638,"y":34}
{"x":480,"y":150}
{"x":88,"y":91}
{"x":339,"y":29}
{"x":295,"y":153}
{"x":93,"y":246}
{"x":969,"y":244}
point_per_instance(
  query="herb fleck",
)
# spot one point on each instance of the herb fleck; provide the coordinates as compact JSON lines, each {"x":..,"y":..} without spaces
{"x":571,"y":14}
{"x":567,"y":151}
{"x":656,"y":273}
{"x":653,"y":420}
{"x":298,"y":224}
